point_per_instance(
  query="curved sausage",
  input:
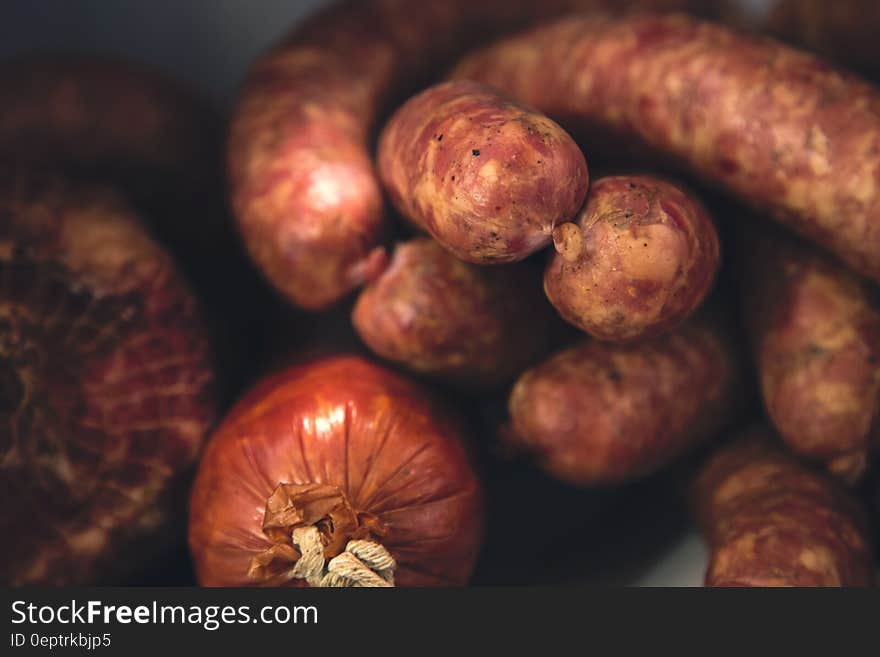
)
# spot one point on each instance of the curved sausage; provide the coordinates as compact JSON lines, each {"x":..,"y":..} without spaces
{"x":778,"y":127}
{"x":304,"y":190}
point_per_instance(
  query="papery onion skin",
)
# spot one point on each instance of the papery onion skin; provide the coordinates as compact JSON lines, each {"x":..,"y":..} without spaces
{"x":106,"y":380}
{"x":392,"y":449}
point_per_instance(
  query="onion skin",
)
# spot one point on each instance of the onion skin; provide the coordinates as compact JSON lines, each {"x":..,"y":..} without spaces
{"x":604,"y":413}
{"x":395,"y":453}
{"x":771,"y":521}
{"x":473,"y":327}
{"x":639,"y":260}
{"x":105,"y":365}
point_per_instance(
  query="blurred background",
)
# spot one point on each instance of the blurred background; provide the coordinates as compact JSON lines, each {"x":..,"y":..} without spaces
{"x":208,"y":43}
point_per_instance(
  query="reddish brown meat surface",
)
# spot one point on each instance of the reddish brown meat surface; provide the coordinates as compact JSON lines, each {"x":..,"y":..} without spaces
{"x":778,"y":127}
{"x":475,"y":327}
{"x":639,"y":259}
{"x":488,"y":178}
{"x":771,"y":521}
{"x":106,"y":382}
{"x":815,"y":333}
{"x":304,"y":190}
{"x":601,"y":413}
{"x":393,"y":453}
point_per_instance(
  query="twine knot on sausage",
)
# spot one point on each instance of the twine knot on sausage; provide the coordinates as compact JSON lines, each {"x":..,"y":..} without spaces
{"x":362,"y":564}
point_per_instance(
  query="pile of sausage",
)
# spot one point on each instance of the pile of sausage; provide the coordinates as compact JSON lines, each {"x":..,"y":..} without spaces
{"x":531,"y":202}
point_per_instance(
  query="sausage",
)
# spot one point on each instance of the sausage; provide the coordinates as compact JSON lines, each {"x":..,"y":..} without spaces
{"x":488,"y":178}
{"x":474,"y":327}
{"x":606,"y":413}
{"x":639,"y":259}
{"x":814,"y":328}
{"x":107,"y":381}
{"x":780,"y":128}
{"x":304,"y":191}
{"x":771,"y":521}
